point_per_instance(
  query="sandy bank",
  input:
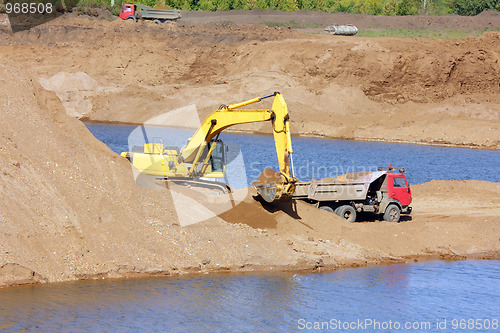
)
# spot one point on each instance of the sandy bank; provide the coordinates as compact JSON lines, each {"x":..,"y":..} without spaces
{"x":414,"y":90}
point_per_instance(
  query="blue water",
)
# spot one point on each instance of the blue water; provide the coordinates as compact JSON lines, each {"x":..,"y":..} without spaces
{"x":421,"y":294}
{"x":319,"y":158}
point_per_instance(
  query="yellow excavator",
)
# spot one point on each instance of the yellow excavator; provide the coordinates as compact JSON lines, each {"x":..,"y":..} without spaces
{"x":203,"y":156}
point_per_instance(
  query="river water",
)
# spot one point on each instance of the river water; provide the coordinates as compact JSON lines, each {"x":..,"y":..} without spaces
{"x":320,"y":158}
{"x":436,"y":296}
{"x":461,"y":296}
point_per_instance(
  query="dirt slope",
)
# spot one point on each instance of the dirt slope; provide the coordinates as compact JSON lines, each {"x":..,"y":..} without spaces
{"x":70,"y":208}
{"x":487,"y":19}
{"x":387,"y":89}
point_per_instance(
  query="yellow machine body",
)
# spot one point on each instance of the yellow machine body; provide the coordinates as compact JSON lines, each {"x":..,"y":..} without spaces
{"x":203,"y":156}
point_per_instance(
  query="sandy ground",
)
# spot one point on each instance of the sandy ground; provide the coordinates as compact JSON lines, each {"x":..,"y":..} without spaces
{"x":70,"y":208}
{"x":381,"y":89}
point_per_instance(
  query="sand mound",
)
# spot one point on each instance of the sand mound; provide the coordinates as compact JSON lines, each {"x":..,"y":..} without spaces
{"x":70,"y":207}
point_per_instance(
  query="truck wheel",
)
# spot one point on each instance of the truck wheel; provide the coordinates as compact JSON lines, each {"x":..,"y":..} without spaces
{"x":157,"y":21}
{"x":392,"y":213}
{"x":167,"y":21}
{"x":346,"y":212}
{"x":130,"y":19}
{"x":327,"y":208}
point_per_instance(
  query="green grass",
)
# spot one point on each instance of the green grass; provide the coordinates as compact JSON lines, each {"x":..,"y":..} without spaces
{"x":423,"y":33}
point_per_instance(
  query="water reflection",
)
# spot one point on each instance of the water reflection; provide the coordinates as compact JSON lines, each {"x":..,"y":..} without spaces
{"x":263,"y":302}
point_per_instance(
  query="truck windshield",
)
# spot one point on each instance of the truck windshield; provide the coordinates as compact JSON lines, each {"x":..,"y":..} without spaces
{"x":399,"y":182}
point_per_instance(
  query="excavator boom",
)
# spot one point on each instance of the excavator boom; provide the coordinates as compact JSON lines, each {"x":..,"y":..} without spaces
{"x":193,"y":160}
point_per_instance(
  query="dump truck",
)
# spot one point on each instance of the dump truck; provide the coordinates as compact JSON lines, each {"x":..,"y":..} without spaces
{"x":135,"y":12}
{"x":384,"y":192}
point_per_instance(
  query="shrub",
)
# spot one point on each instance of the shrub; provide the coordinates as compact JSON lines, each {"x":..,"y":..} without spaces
{"x":407,"y":7}
{"x":474,"y":7}
{"x":391,"y":7}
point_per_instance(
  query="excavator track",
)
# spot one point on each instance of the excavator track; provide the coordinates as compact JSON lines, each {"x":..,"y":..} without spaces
{"x":197,"y":183}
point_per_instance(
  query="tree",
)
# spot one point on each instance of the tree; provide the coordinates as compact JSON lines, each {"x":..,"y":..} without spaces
{"x":391,"y":7}
{"x":474,"y":7}
{"x":407,"y":7}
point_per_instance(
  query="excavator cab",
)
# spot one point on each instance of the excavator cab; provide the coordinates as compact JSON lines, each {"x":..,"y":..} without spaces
{"x":213,"y":159}
{"x":218,"y":160}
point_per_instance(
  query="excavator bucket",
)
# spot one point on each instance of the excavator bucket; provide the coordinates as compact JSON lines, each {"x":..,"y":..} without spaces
{"x":270,"y":185}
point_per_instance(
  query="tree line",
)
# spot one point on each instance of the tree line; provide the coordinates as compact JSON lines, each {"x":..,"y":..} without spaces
{"x":371,"y":7}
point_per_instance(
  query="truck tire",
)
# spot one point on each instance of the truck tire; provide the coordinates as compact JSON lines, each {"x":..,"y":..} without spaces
{"x":167,"y":21}
{"x":130,"y":18}
{"x":346,"y":212}
{"x":327,"y":208}
{"x":157,"y":21}
{"x":392,"y":213}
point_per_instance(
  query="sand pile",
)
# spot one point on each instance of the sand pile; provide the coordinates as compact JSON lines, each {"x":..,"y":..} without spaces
{"x":70,"y":208}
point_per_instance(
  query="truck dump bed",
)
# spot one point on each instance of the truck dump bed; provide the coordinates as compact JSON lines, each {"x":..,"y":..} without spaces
{"x":163,"y":14}
{"x":349,"y":186}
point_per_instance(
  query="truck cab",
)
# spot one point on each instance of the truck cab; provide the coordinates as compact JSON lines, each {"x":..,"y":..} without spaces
{"x":396,"y":195}
{"x":398,"y":188}
{"x":127,"y":12}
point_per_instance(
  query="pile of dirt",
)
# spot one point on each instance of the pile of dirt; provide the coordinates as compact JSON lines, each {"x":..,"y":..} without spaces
{"x":71,"y":210}
{"x":450,"y":219}
{"x":381,"y":89}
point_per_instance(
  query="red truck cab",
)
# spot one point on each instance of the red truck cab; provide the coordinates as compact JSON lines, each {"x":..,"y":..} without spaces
{"x":127,"y":11}
{"x":398,"y":188}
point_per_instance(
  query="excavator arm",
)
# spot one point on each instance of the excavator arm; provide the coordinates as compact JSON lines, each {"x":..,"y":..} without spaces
{"x":230,"y":115}
{"x":193,"y":160}
{"x":270,"y":185}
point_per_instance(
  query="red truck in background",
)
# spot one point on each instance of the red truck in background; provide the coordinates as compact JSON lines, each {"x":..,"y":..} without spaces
{"x":135,"y":12}
{"x":384,"y":192}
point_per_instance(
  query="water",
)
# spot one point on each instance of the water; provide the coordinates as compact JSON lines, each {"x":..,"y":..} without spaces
{"x":420,"y":294}
{"x":319,"y":158}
